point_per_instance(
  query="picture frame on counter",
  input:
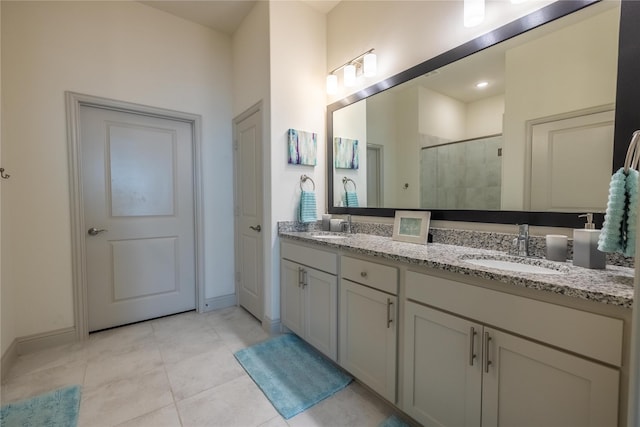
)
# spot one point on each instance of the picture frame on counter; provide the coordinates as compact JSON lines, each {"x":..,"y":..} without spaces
{"x":411,"y":226}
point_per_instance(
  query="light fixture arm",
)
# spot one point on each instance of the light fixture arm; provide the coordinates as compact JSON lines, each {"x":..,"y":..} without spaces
{"x":355,"y":61}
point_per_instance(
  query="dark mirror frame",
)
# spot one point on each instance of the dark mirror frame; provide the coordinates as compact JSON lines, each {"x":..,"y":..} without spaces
{"x":627,"y":117}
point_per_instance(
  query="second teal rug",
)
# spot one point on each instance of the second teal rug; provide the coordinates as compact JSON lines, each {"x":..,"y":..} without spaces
{"x":58,"y":408}
{"x":291,"y":373}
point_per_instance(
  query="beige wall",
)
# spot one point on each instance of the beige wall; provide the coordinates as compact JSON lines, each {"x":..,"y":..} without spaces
{"x":584,"y":60}
{"x":251,"y":73}
{"x":406,"y":33}
{"x":484,"y":117}
{"x":298,"y":44}
{"x":121,"y":50}
{"x":352,"y":122}
{"x":251,"y":85}
{"x":7,"y":331}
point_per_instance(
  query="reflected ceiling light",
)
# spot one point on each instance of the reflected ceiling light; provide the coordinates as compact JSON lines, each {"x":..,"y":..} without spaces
{"x":517,"y":1}
{"x":363,"y":64}
{"x":473,"y":12}
{"x":482,"y":85}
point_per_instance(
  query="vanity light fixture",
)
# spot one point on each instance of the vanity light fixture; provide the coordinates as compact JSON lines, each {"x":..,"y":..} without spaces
{"x":364,"y":64}
{"x":349,"y":75}
{"x":332,"y":84}
{"x":482,"y":85}
{"x":517,"y":1}
{"x":473,"y":12}
{"x":370,"y":61}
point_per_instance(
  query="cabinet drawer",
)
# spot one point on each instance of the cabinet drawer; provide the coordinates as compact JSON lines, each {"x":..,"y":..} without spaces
{"x":374,"y":275}
{"x":589,"y":334}
{"x":316,"y":258}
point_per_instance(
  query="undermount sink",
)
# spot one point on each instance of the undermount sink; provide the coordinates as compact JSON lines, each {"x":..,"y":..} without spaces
{"x":328,"y":236}
{"x":515,"y":264}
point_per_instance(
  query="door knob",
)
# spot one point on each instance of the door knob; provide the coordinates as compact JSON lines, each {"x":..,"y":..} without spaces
{"x":256,"y":228}
{"x":95,"y":231}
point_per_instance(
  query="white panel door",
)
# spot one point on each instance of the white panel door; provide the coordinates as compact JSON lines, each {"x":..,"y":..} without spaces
{"x":249,"y":258}
{"x":581,"y":142}
{"x":138,"y":202}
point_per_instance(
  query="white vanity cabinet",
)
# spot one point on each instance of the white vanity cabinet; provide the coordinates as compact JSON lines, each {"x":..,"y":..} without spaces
{"x":461,"y":372}
{"x":309,"y":295}
{"x":368,"y":323}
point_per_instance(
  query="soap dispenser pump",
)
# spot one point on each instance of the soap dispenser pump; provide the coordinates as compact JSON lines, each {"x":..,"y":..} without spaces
{"x":585,"y":245}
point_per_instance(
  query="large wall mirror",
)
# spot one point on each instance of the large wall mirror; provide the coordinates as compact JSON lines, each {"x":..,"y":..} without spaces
{"x":535,"y":144}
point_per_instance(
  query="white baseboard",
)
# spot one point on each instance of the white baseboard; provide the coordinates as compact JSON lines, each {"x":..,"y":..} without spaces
{"x":271,"y":326}
{"x":33,"y":343}
{"x":217,"y":303}
{"x":44,"y":340}
{"x":8,"y":359}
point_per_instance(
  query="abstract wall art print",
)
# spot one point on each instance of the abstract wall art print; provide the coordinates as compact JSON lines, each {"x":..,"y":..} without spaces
{"x":302,"y":147}
{"x":345,"y":153}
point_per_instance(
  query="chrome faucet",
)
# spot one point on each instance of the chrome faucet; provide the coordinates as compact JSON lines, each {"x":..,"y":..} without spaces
{"x":346,"y":225}
{"x":521,"y":243}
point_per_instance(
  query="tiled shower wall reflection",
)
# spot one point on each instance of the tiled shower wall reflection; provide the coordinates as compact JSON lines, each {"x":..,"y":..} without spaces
{"x":462,"y":175}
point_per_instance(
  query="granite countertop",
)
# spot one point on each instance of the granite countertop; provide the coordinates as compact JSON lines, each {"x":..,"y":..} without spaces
{"x":614,"y":285}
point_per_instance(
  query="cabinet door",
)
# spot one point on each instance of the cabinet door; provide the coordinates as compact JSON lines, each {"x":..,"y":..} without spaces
{"x":368,"y":325}
{"x":529,"y":384}
{"x":321,"y":311}
{"x":291,"y":302}
{"x":442,"y":368}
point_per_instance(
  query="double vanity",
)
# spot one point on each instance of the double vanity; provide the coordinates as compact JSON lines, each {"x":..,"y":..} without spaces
{"x":459,"y":336}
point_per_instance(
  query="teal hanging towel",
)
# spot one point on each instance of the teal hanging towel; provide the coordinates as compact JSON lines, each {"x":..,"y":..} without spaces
{"x":307,"y":211}
{"x":619,"y":228}
{"x":350,"y":196}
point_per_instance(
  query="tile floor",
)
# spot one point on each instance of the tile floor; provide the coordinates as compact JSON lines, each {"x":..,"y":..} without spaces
{"x":176,"y":371}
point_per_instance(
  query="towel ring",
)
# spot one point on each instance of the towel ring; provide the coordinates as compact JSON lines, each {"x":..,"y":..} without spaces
{"x":346,"y":180}
{"x":304,"y":179}
{"x":636,"y":156}
{"x":633,"y":153}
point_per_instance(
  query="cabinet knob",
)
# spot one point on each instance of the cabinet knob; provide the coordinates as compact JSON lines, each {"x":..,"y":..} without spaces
{"x":363,"y":274}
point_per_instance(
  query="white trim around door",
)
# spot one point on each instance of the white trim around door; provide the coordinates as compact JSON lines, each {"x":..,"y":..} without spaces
{"x":79,"y":275}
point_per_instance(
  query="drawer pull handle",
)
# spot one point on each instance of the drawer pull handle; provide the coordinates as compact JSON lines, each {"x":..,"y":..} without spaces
{"x":363,"y":274}
{"x":472,"y":346}
{"x":389,"y":320}
{"x":487,"y":362}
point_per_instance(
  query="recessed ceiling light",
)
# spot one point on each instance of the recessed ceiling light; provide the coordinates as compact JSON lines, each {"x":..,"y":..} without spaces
{"x":482,"y":85}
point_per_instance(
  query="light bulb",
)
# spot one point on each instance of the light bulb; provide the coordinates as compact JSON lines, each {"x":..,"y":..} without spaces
{"x":332,"y":84}
{"x":473,"y":12}
{"x":349,"y":75}
{"x":370,"y":65}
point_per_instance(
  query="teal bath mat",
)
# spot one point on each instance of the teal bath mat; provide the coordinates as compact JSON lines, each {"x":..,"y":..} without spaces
{"x":393,"y":421}
{"x":58,"y":408}
{"x":291,"y":373}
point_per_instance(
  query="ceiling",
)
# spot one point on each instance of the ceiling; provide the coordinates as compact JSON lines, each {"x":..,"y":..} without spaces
{"x":222,"y":15}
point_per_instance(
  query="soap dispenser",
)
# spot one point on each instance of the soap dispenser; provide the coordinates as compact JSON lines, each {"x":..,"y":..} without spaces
{"x":585,"y":245}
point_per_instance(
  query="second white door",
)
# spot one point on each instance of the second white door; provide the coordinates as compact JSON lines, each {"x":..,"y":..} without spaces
{"x":248,"y":211}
